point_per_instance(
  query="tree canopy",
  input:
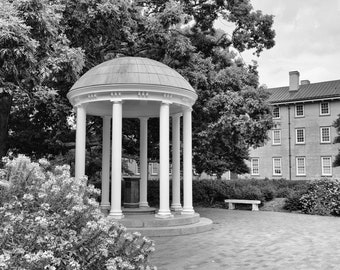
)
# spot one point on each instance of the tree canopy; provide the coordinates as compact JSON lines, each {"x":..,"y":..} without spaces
{"x":47,"y":44}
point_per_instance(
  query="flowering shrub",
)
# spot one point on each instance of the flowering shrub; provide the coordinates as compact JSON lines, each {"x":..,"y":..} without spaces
{"x":322,"y":198}
{"x":49,"y":220}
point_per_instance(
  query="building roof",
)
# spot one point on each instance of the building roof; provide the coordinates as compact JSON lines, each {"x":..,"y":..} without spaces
{"x":130,"y":71}
{"x":306,"y":92}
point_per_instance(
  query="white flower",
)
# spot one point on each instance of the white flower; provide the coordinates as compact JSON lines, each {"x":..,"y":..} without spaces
{"x":28,"y":197}
{"x":4,"y":184}
{"x":137,"y":234}
{"x":44,"y":162}
{"x":45,"y":206}
{"x":41,"y":195}
{"x":55,"y":189}
{"x":4,"y":258}
{"x":74,"y":265}
{"x":92,"y":225}
{"x":41,"y":221}
{"x":78,"y":208}
{"x":128,"y":236}
{"x":5,"y":159}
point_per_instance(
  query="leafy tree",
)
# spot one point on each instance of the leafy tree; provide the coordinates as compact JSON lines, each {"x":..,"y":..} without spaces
{"x":230,"y":114}
{"x":35,"y":57}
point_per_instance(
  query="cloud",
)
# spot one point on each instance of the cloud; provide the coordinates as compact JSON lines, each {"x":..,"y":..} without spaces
{"x":307,"y":39}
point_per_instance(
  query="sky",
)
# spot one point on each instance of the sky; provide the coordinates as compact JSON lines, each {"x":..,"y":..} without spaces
{"x":307,"y":40}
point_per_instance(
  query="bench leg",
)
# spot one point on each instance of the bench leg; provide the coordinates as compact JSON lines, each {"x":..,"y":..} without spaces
{"x":254,"y":207}
{"x":231,"y":206}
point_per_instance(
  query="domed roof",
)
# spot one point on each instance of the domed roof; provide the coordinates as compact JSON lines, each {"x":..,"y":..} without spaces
{"x":132,"y":71}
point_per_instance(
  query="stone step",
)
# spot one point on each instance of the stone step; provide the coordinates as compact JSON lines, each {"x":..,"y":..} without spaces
{"x":203,"y":225}
{"x":140,"y":221}
{"x":139,"y":211}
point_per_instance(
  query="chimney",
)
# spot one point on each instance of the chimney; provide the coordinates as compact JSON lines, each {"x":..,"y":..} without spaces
{"x":294,"y":80}
{"x":303,"y":82}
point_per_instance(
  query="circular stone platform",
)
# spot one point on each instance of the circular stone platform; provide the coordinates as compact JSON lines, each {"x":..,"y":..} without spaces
{"x":149,"y":225}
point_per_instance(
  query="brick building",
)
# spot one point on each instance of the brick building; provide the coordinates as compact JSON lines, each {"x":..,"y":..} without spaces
{"x":301,"y":141}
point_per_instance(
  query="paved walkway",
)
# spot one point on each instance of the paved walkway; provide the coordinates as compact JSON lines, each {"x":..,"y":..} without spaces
{"x":254,"y":240}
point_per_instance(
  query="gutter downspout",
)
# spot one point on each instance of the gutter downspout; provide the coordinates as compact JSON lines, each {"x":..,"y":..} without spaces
{"x":289,"y":146}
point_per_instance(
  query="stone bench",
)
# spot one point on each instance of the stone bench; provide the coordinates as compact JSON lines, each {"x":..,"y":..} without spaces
{"x":254,"y":203}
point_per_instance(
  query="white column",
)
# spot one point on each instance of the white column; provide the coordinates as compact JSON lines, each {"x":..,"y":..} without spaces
{"x":164,"y":210}
{"x":80,"y":142}
{"x":176,"y":164}
{"x":116,"y":174}
{"x":143,"y":160}
{"x":187,"y":163}
{"x":105,"y":203}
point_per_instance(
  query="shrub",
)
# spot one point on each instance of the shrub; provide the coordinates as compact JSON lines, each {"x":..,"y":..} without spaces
{"x":292,"y":202}
{"x":269,"y":193}
{"x":153,"y":192}
{"x":200,"y":194}
{"x":249,"y":193}
{"x":214,"y":192}
{"x":322,"y":198}
{"x":49,"y":220}
{"x":283,"y":192}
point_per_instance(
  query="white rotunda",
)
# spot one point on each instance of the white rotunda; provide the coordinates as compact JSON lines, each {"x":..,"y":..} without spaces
{"x":135,"y":87}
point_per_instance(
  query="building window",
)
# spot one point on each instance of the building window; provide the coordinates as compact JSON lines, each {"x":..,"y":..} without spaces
{"x":300,"y":135}
{"x":154,"y":168}
{"x":299,"y":110}
{"x":326,"y":165}
{"x":324,"y":108}
{"x":300,"y":166}
{"x":277,"y":167}
{"x":276,"y":112}
{"x":254,"y":166}
{"x":325,"y":134}
{"x":276,"y":136}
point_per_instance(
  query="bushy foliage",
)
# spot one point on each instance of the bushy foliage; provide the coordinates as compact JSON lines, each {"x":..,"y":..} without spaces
{"x":292,"y":202}
{"x":210,"y":192}
{"x":153,"y":192}
{"x":49,"y":220}
{"x":322,"y":198}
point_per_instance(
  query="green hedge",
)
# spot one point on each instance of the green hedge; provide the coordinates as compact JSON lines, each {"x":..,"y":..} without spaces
{"x":214,"y":192}
{"x":208,"y":192}
{"x":321,"y":197}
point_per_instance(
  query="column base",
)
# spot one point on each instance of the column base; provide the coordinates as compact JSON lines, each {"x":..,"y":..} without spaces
{"x":164,"y":214}
{"x":105,"y":206}
{"x":188,"y":211}
{"x":176,"y":207}
{"x":143,"y":204}
{"x":116,"y":214}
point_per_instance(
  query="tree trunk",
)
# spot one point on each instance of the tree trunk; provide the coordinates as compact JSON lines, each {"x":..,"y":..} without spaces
{"x":5,"y":108}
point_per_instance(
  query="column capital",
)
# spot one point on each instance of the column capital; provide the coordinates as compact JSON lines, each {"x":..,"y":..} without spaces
{"x":188,"y":109}
{"x":116,"y":100}
{"x":80,"y":105}
{"x":143,"y":118}
{"x":177,"y":115}
{"x":106,"y":116}
{"x":166,"y":102}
